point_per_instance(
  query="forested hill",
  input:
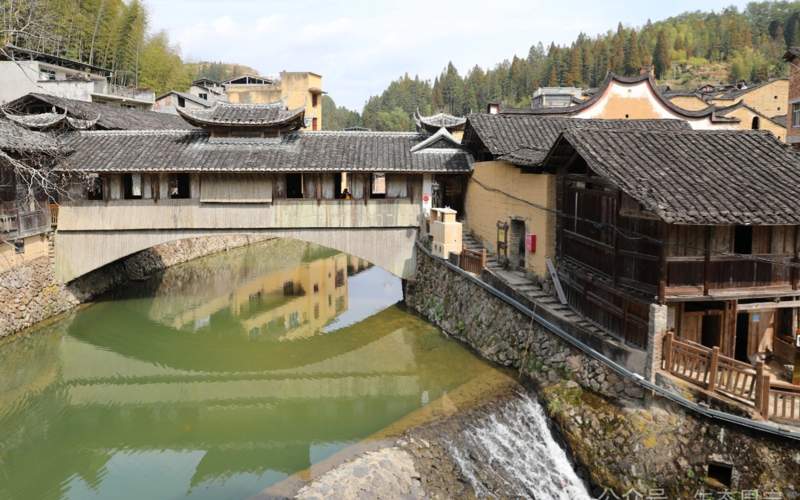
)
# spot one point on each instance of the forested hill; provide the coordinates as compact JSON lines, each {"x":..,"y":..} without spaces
{"x":684,"y":50}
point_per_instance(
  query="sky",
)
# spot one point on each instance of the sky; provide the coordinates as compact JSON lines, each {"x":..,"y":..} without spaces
{"x":359,"y":47}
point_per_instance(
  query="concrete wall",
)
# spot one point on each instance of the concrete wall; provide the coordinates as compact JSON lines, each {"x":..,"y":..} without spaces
{"x":496,"y":191}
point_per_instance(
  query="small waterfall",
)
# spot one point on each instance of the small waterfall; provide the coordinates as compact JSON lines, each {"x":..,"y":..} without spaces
{"x":512,"y":453}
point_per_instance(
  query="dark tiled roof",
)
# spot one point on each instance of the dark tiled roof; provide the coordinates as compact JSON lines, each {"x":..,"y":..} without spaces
{"x":14,"y":138}
{"x":108,"y":117}
{"x":735,"y":92}
{"x":697,"y":177}
{"x":244,"y":115}
{"x":523,"y":139}
{"x":195,"y":151}
{"x":780,"y":120}
{"x":435,"y":122}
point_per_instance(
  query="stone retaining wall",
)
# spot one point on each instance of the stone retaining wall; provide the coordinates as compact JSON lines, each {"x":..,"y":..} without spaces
{"x":622,"y":437}
{"x":29,"y":293}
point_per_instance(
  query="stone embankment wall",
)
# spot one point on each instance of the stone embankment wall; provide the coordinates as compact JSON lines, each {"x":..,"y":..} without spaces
{"x":622,"y":437}
{"x":29,"y":293}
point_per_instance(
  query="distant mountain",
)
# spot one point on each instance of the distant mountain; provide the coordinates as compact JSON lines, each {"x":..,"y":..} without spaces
{"x":219,"y":71}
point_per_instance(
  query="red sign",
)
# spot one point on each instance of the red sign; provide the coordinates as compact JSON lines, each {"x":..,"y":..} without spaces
{"x":426,"y":198}
{"x":530,"y":243}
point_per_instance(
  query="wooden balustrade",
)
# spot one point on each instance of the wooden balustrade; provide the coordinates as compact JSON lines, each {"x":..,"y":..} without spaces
{"x":778,"y":401}
{"x":472,"y":261}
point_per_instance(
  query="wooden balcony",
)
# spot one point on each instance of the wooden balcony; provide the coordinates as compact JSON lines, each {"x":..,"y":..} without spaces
{"x":749,"y":385}
{"x":15,"y":223}
{"x":728,"y":275}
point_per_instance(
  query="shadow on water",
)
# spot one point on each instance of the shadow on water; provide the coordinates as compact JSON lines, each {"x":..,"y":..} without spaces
{"x":217,"y":378}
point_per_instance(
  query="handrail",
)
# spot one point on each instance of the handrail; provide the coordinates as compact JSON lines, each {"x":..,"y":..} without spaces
{"x":620,"y":370}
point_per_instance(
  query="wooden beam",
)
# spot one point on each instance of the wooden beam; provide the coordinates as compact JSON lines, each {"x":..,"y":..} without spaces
{"x":766,"y":306}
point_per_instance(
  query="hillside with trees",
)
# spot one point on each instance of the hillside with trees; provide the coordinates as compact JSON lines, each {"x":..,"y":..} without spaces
{"x":684,"y":51}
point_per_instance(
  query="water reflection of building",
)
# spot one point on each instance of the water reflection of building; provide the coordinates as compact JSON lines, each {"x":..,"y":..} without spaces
{"x":145,"y":373}
{"x":293,"y":300}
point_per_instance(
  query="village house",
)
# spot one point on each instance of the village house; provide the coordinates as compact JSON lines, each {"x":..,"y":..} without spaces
{"x":24,"y":71}
{"x":712,"y":236}
{"x":169,"y":102}
{"x":793,"y":98}
{"x":24,"y":209}
{"x":295,"y":89}
{"x":208,"y":90}
{"x":510,"y":198}
{"x":556,"y":97}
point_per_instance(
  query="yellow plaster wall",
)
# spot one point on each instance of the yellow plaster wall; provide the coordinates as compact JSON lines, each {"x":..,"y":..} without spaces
{"x":692,"y":103}
{"x":505,"y":182}
{"x":746,"y":122}
{"x":769,"y":99}
{"x":294,"y":88}
{"x":35,"y":247}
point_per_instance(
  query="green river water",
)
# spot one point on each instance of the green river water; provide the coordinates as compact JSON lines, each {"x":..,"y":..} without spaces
{"x":217,"y":378}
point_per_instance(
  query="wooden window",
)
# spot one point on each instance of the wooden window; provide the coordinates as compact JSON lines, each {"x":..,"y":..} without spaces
{"x":132,"y":186}
{"x":796,"y":115}
{"x":94,"y":189}
{"x":203,"y":96}
{"x":743,"y":240}
{"x":179,"y":186}
{"x":294,"y":185}
{"x":378,"y":186}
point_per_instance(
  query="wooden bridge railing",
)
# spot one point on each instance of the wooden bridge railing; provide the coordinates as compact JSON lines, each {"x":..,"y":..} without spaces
{"x":714,"y":372}
{"x":472,"y":261}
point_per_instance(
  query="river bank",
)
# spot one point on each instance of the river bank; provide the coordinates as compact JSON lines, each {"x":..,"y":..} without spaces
{"x":32,"y":294}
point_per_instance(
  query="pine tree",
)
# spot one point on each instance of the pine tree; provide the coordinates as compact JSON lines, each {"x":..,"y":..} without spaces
{"x":633,"y":57}
{"x":661,"y":56}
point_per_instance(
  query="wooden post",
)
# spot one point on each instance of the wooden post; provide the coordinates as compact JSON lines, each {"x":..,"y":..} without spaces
{"x":795,"y":260}
{"x":618,"y":204}
{"x":667,"y":354}
{"x":712,"y":369}
{"x":762,"y":391}
{"x":707,"y":260}
{"x":662,"y":266}
{"x":483,"y":258}
{"x":796,"y":374}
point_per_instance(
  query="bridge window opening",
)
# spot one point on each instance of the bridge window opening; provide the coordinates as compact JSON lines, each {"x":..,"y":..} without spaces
{"x":294,"y":185}
{"x":94,"y":189}
{"x":179,"y":186}
{"x":132,"y":186}
{"x":378,"y":187}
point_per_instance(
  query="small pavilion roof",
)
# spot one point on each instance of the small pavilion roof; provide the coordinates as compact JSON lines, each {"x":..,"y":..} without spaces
{"x":227,"y":115}
{"x":440,"y":120}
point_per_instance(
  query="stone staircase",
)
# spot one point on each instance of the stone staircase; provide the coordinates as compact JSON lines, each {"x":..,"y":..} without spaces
{"x":536,"y":296}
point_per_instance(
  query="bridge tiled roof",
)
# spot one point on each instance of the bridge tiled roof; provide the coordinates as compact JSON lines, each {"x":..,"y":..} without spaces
{"x":196,"y":151}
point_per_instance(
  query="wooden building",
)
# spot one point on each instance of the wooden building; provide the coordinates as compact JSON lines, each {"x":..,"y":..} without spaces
{"x":258,"y":154}
{"x":704,"y":222}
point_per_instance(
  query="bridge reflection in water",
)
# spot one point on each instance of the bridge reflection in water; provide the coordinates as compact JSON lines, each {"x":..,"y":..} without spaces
{"x":217,"y":378}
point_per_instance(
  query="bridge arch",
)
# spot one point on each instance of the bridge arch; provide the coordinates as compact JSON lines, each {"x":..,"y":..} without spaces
{"x":81,"y":252}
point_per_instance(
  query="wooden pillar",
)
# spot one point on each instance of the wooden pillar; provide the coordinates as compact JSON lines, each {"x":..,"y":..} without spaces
{"x":713,"y":367}
{"x":796,"y":374}
{"x":667,"y":354}
{"x":795,"y":272}
{"x":618,"y":204}
{"x":662,"y":266}
{"x":707,"y":259}
{"x":762,"y":391}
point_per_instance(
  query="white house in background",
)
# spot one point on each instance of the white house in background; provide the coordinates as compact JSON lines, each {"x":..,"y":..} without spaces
{"x":209,"y":90}
{"x":172,"y":100}
{"x":25,"y":71}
